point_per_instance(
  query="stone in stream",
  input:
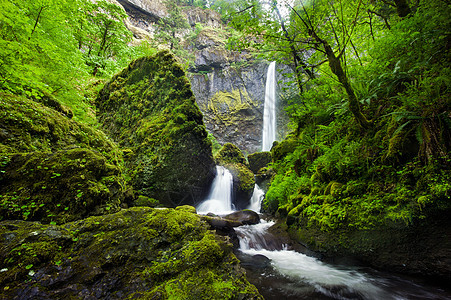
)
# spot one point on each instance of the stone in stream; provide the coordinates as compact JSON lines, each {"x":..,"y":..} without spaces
{"x":245,"y":217}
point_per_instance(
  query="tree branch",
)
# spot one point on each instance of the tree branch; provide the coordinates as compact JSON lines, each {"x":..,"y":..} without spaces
{"x":37,"y":21}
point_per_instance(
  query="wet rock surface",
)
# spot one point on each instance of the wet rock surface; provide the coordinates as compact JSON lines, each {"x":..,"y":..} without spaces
{"x":244,"y":217}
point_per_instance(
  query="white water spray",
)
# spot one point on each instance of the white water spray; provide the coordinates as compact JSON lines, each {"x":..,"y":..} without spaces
{"x":219,"y":200}
{"x":328,"y":280}
{"x":269,"y":112}
{"x":256,"y":199}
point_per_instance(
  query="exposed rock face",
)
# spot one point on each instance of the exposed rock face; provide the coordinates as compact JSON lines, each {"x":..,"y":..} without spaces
{"x":231,"y":97}
{"x":138,"y":253}
{"x":207,"y":17}
{"x":151,"y":10}
{"x":150,"y":109}
{"x":229,"y":86}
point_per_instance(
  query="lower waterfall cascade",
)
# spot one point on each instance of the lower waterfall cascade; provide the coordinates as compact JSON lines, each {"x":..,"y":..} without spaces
{"x":294,"y":275}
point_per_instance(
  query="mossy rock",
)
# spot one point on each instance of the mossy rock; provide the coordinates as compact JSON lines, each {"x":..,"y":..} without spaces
{"x":259,"y":160}
{"x":145,"y":201}
{"x":139,"y":253}
{"x":230,"y":154}
{"x":27,"y":126}
{"x":280,"y":150}
{"x":243,"y":184}
{"x":52,"y":168}
{"x":293,"y":214}
{"x":149,"y":108}
{"x":59,"y":187}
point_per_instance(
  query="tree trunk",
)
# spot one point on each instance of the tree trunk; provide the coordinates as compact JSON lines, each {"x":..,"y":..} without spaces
{"x":337,"y":69}
{"x":296,"y":59}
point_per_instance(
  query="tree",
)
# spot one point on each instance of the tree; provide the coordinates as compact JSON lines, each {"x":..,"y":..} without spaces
{"x":308,"y":37}
{"x":170,"y":26}
{"x":101,"y":33}
{"x":37,"y":50}
{"x":322,"y":45}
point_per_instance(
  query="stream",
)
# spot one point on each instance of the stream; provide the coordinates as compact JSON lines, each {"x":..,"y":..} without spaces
{"x":279,"y":273}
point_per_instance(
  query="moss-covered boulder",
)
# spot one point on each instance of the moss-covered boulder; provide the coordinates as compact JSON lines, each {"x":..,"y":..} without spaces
{"x":53,"y":169}
{"x":138,"y":253}
{"x":149,"y":108}
{"x":230,"y":154}
{"x":259,"y":160}
{"x":231,"y":157}
{"x":280,"y":150}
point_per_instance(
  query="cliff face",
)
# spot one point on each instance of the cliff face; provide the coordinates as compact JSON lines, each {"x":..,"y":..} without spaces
{"x":232,"y":101}
{"x":230,"y":90}
{"x":229,"y":86}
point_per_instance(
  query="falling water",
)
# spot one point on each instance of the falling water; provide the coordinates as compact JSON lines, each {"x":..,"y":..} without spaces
{"x":269,"y":112}
{"x":256,"y":199}
{"x":219,"y":200}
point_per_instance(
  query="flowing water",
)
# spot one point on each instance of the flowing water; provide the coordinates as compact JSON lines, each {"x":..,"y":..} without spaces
{"x":219,"y":200}
{"x":280,"y":273}
{"x":294,"y":275}
{"x":269,"y":112}
{"x":256,"y":199}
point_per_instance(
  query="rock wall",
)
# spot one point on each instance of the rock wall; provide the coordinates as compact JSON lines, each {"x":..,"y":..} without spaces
{"x":229,"y":86}
{"x":232,"y":101}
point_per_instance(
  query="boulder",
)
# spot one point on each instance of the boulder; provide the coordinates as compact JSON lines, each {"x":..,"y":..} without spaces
{"x":244,"y":217}
{"x":137,"y":253}
{"x":52,"y":168}
{"x":149,"y":109}
{"x":259,"y":160}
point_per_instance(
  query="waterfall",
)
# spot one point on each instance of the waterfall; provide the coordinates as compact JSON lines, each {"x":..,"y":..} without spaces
{"x":219,"y":200}
{"x":269,"y":112}
{"x":256,"y":199}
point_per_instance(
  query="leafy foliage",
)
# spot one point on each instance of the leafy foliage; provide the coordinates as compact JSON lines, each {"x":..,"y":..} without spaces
{"x":396,"y":172}
{"x":51,"y":47}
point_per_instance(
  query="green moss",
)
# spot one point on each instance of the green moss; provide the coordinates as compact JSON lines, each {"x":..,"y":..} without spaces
{"x":145,"y":201}
{"x":29,"y":126}
{"x":230,"y":154}
{"x":59,"y":187}
{"x":259,"y":160}
{"x":150,"y":109}
{"x":54,"y":169}
{"x":228,"y":107}
{"x":245,"y":177}
{"x":163,"y":253}
{"x":280,"y":150}
{"x":334,"y":189}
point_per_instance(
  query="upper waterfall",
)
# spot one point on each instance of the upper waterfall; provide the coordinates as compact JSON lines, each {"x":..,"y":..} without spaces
{"x":269,"y":112}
